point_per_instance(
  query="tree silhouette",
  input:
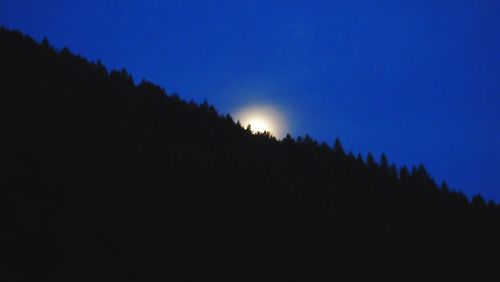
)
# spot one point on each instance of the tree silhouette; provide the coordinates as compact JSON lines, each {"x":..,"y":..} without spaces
{"x":337,"y":148}
{"x":105,"y":179}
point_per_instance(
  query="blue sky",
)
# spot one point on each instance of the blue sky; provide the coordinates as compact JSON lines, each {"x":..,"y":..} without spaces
{"x":418,"y":80}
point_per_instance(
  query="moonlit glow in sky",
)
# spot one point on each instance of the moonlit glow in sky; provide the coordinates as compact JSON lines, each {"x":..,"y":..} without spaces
{"x":263,"y":118}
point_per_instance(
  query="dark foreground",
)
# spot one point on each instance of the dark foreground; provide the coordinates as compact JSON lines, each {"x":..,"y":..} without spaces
{"x":105,"y":180}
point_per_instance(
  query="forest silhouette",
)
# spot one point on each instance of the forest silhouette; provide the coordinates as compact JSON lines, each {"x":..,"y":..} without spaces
{"x":103,"y":179}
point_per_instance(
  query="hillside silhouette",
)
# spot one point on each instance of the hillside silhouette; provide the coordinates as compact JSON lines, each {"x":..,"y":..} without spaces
{"x":103,"y":179}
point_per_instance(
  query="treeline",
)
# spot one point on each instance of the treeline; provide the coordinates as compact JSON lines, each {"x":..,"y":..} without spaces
{"x":103,"y":179}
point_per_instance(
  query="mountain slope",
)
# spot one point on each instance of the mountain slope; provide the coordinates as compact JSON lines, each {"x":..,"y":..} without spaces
{"x":103,"y":179}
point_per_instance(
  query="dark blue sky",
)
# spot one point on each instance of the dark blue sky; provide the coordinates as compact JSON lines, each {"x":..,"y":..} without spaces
{"x":419,"y":80}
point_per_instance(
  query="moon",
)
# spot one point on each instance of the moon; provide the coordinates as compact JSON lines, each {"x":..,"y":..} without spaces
{"x":262,"y":119}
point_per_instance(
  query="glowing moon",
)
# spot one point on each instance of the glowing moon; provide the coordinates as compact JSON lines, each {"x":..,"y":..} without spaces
{"x":262,"y":118}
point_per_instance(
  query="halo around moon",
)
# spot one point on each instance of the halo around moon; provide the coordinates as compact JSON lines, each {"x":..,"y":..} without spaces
{"x":263,"y":118}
